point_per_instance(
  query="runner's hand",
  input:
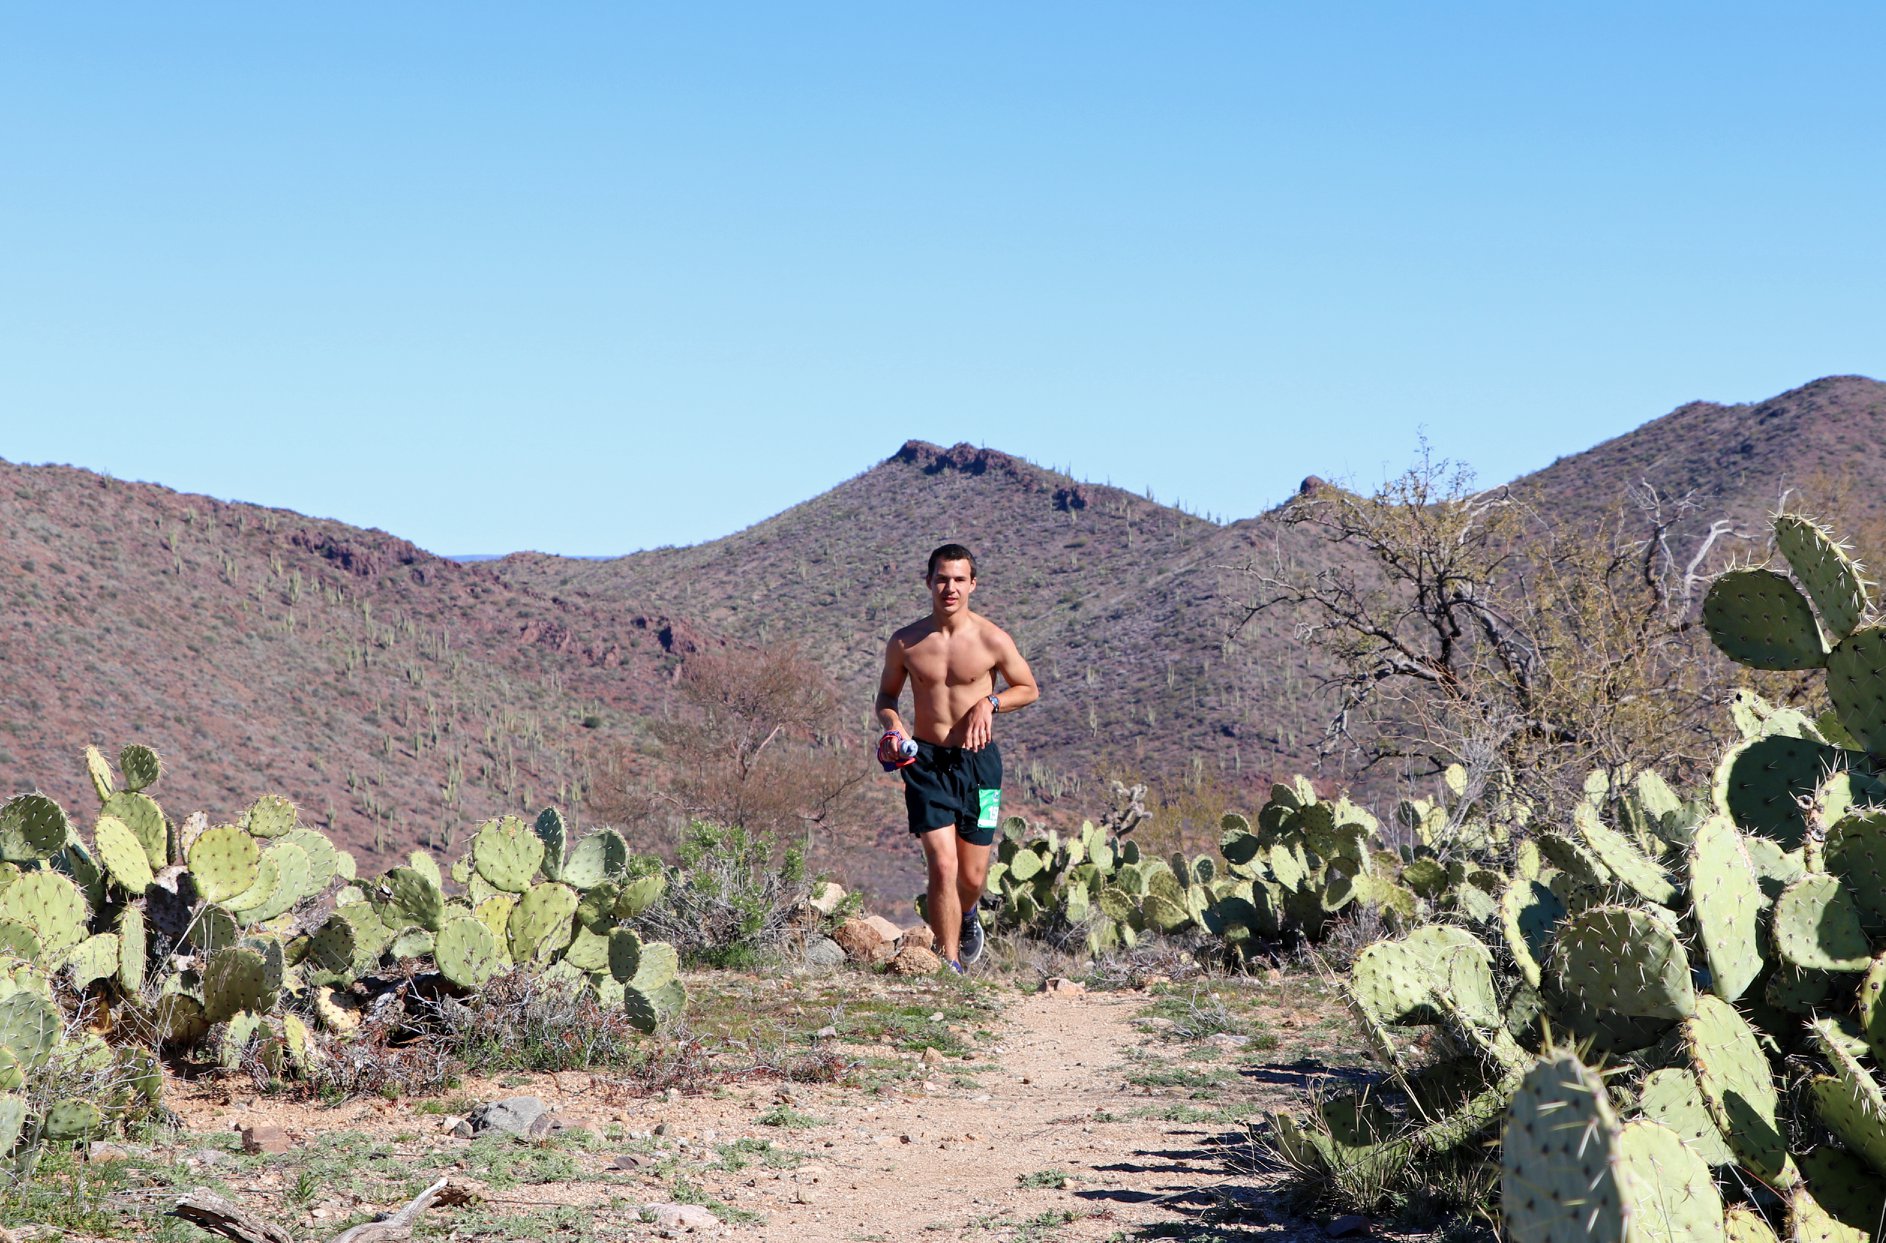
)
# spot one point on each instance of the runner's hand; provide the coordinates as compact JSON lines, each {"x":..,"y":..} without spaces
{"x":981,"y":726}
{"x":888,"y":754}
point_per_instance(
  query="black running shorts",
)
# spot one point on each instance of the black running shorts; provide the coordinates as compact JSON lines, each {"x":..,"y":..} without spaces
{"x":954,"y":786}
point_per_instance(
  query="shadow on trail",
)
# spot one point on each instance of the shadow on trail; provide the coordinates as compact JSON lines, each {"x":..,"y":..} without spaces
{"x":1199,"y":1184}
{"x":1307,"y":1072}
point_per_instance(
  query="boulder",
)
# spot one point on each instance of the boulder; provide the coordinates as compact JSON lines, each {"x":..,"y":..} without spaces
{"x":921,"y":937}
{"x":822,"y":954}
{"x":885,"y":928}
{"x":915,"y":960}
{"x":864,"y":942}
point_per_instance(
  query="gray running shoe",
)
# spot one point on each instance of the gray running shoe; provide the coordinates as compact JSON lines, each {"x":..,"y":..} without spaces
{"x":972,"y":938}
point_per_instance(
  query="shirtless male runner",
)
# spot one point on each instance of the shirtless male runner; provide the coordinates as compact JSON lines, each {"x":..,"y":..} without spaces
{"x":953,"y":788}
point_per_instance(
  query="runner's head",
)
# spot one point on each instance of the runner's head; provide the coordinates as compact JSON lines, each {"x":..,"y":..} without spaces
{"x":950,"y":552}
{"x":951,"y":577}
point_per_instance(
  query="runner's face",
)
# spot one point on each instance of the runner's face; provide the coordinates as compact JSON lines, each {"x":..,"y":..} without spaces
{"x":950,"y":586}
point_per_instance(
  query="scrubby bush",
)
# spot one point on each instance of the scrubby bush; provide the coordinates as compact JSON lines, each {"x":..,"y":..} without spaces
{"x":731,"y":896}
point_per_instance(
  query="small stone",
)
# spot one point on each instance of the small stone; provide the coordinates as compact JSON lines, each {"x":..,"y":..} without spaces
{"x":825,"y":1033}
{"x":1060,"y":986}
{"x":826,"y":898}
{"x":919,"y":936}
{"x":680,"y":1216}
{"x":1228,"y":1040}
{"x":625,"y":1161}
{"x":931,"y":1057}
{"x":1027,"y":1079}
{"x":1346,"y":1225}
{"x":265,"y":1139}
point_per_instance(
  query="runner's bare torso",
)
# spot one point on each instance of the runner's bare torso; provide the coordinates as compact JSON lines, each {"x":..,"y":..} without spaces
{"x":951,"y":659}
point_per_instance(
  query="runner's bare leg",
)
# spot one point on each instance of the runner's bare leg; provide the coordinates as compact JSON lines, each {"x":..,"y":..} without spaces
{"x":972,"y":872}
{"x":945,"y":900}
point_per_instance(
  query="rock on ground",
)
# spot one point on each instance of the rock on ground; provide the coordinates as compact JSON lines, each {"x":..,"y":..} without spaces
{"x":915,"y":960}
{"x":513,"y":1115}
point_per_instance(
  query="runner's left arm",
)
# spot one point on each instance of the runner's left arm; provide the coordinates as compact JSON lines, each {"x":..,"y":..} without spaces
{"x":1018,"y":691}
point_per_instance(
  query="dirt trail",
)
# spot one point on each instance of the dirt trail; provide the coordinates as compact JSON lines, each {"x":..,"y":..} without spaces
{"x":1037,"y":1135}
{"x":952,"y":1162}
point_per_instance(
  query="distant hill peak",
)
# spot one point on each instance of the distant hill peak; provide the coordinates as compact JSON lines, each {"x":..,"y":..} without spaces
{"x":964,"y":458}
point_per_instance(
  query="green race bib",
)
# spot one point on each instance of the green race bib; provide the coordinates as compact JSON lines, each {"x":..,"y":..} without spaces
{"x":991,"y":806}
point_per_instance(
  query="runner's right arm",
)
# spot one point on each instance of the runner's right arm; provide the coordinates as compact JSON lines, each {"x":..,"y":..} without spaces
{"x":891,"y":688}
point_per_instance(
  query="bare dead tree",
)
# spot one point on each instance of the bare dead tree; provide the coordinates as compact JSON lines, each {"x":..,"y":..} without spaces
{"x":1464,"y":626}
{"x":754,"y":738}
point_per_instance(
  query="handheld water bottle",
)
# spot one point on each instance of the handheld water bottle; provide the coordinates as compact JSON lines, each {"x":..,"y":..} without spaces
{"x":896,"y":751}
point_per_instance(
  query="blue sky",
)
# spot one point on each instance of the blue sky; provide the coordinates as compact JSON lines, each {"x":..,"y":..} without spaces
{"x":591,"y":278}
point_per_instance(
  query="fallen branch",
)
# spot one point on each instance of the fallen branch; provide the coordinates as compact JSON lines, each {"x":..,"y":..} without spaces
{"x":208,"y":1211}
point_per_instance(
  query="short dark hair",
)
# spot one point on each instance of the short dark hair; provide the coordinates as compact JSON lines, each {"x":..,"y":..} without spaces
{"x":950,"y":552}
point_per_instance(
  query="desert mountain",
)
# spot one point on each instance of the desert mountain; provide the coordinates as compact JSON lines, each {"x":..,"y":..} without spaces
{"x":396,"y":696}
{"x":400,"y":697}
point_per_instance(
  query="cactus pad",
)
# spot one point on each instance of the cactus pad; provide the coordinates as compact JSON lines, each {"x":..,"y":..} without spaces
{"x":140,"y":765}
{"x":1558,"y":1160}
{"x":1401,"y":982}
{"x":543,"y":922}
{"x":412,"y":898}
{"x":1763,"y":784}
{"x":648,"y":1010}
{"x":1856,"y":853}
{"x":1671,"y":1096}
{"x":555,"y":834}
{"x":1850,"y":1101}
{"x":141,"y":814}
{"x":69,"y":1121}
{"x":507,"y":853}
{"x":32,"y":827}
{"x":98,"y":768}
{"x":1760,"y":619}
{"x":1726,"y":899}
{"x":234,"y":980}
{"x":223,"y":862}
{"x":122,"y":854}
{"x":599,"y":857}
{"x":293,"y":881}
{"x":657,"y":966}
{"x":1817,"y":926}
{"x":51,"y":906}
{"x":1625,"y":860}
{"x":1845,"y":1186}
{"x":331,"y":952}
{"x":1857,"y":688}
{"x":30,"y":1026}
{"x":1832,"y":577}
{"x":1739,"y":1088}
{"x":423,"y":863}
{"x":1625,"y":961}
{"x":639,"y":894}
{"x":625,"y":955}
{"x":588,"y":951}
{"x":1670,"y":1196}
{"x":94,"y":958}
{"x":269,"y":816}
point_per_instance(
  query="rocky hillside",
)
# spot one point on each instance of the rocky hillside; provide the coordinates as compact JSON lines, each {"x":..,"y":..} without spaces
{"x":397,"y":696}
{"x":400,"y":696}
